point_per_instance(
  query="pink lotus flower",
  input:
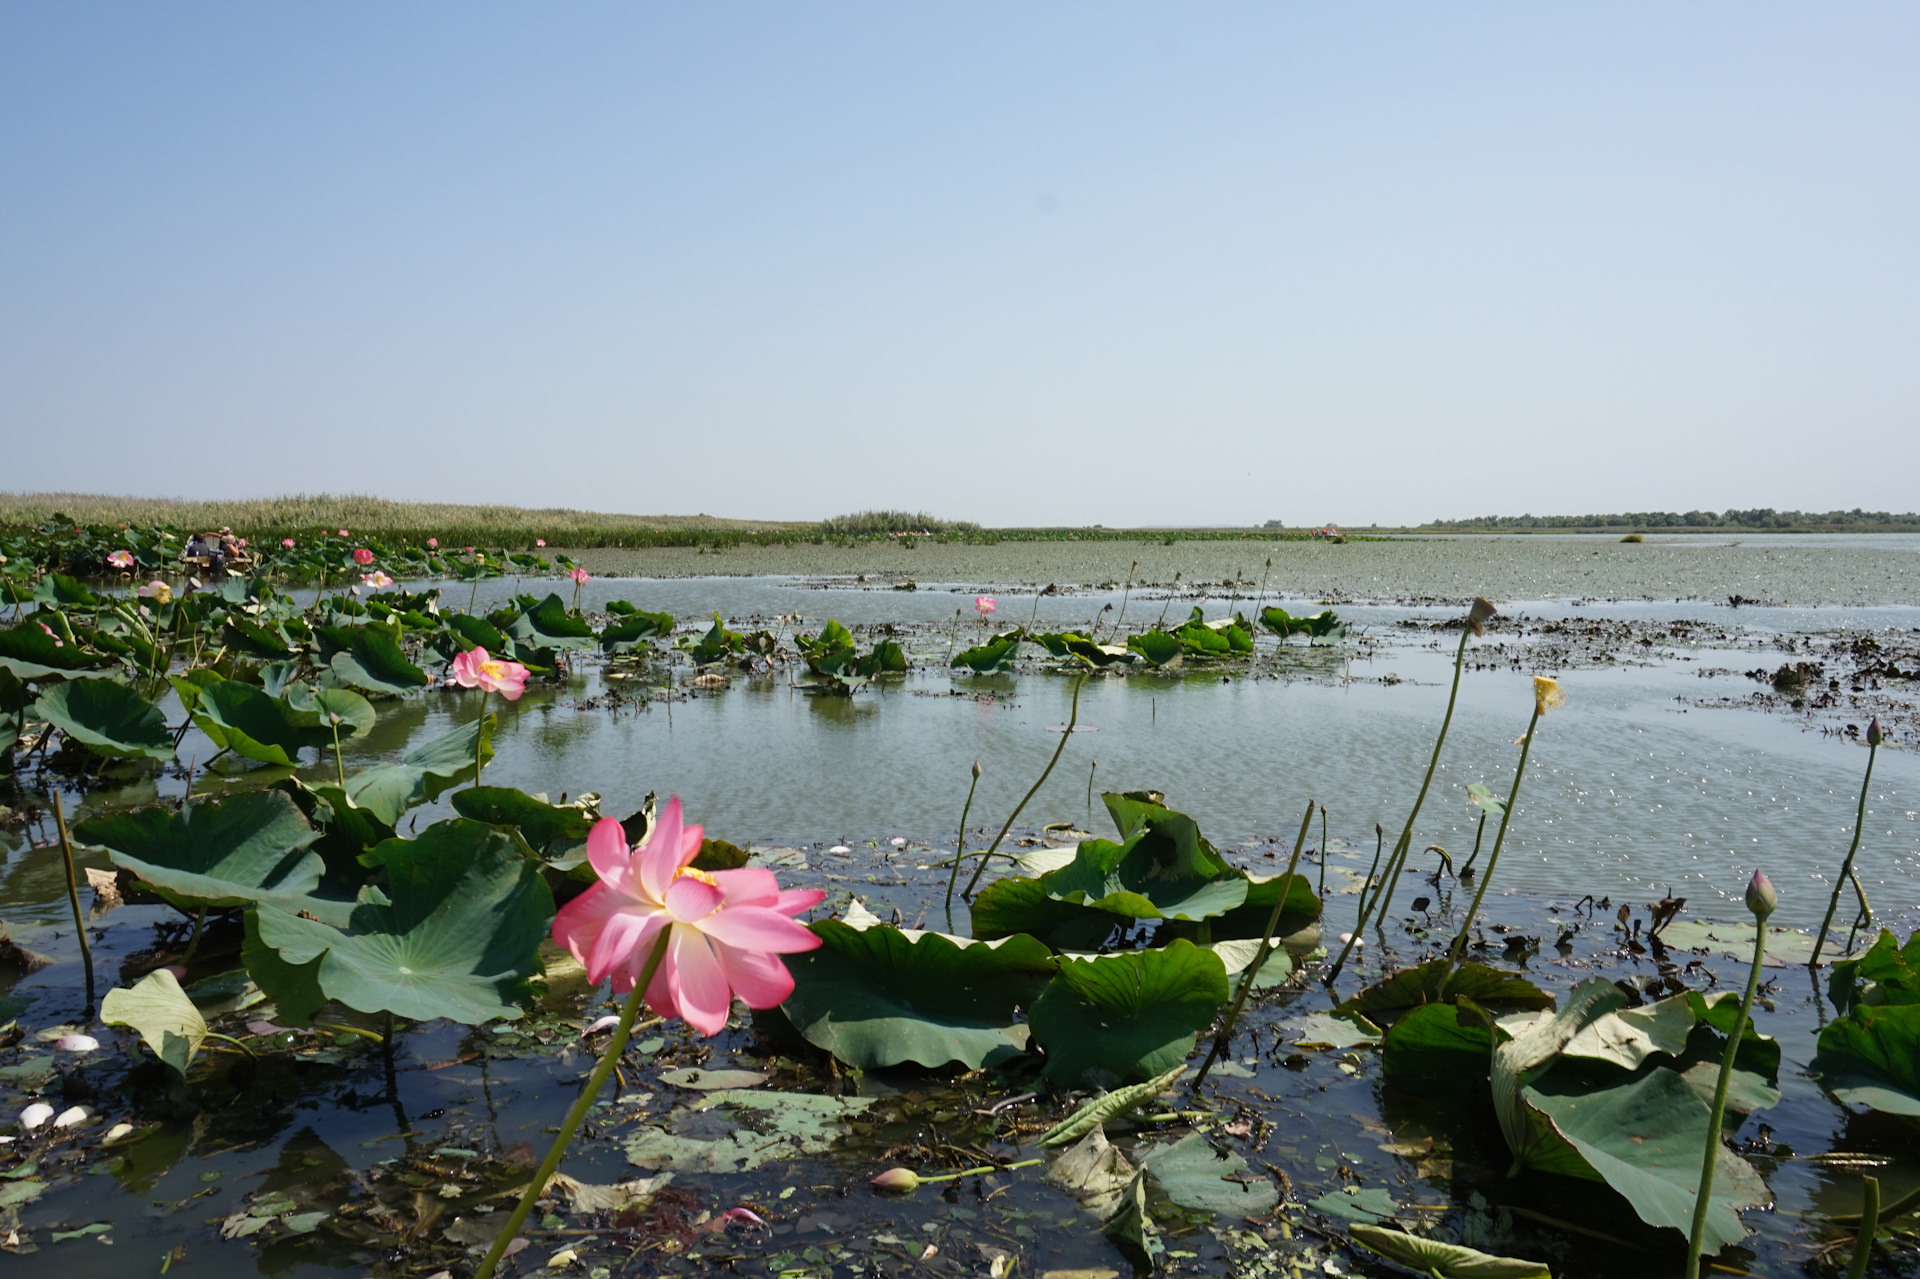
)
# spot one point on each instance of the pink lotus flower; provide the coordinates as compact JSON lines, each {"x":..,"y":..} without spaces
{"x":121,"y":559}
{"x":240,"y":542}
{"x":983,"y":605}
{"x":362,"y":556}
{"x":580,"y":577}
{"x":727,"y":927}
{"x":376,"y":579}
{"x":478,"y":669}
{"x":156,"y":590}
{"x":343,"y":532}
{"x":433,"y":543}
{"x":539,"y":541}
{"x":287,"y":542}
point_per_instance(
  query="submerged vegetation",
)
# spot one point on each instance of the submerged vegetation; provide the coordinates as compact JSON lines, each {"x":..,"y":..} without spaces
{"x":310,"y":919}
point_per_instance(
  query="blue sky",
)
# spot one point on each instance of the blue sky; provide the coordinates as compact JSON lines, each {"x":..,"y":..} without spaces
{"x":1128,"y":264}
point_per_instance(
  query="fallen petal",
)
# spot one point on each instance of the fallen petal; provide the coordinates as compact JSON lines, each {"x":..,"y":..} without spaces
{"x":73,"y":1117}
{"x":76,"y":1043}
{"x":35,"y":1115}
{"x":604,"y":1024}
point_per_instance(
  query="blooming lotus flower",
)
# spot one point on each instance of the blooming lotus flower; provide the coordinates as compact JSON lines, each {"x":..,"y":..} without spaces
{"x":479,"y":669}
{"x":287,"y":542}
{"x":343,"y":532}
{"x":156,"y":590}
{"x":539,"y":541}
{"x":580,"y":577}
{"x":376,"y":579}
{"x":121,"y":559}
{"x":433,"y":543}
{"x":362,"y":556}
{"x":240,"y":542}
{"x":726,"y":928}
{"x":983,"y":605}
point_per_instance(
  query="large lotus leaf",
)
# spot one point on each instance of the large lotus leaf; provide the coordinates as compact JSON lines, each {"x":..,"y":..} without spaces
{"x":878,"y":997}
{"x":1019,"y":905}
{"x":1758,"y":1052}
{"x":247,"y":722}
{"x":168,"y":1022}
{"x":316,"y":708}
{"x":1195,"y":1175}
{"x":1443,"y":1260}
{"x":1786,"y":947}
{"x":107,"y":718}
{"x":215,"y":853}
{"x":389,"y":790}
{"x":457,"y":936}
{"x":548,"y":624}
{"x":1158,"y":647}
{"x":635,"y":630}
{"x":1299,"y":917}
{"x":1438,"y":1044}
{"x":1644,"y":1137}
{"x":480,"y":633}
{"x":1164,"y":870}
{"x":58,"y":588}
{"x":376,"y":664}
{"x":1128,"y":1016}
{"x":1485,"y":800}
{"x":1628,"y":1036}
{"x":1437,"y":981}
{"x":293,"y":988}
{"x":1073,"y":644}
{"x":1531,"y":1047}
{"x":1871,"y":1057}
{"x":990,"y":658}
{"x":887,"y":658}
{"x":1202,"y":640}
{"x":539,"y":822}
{"x":1886,"y":973}
{"x":762,"y":1128}
{"x":255,"y":640}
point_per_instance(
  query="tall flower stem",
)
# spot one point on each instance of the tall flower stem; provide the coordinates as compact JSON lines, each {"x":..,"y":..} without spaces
{"x":1383,"y":893}
{"x":960,"y":848}
{"x":1125,"y":595}
{"x":1323,"y":854}
{"x":1478,"y":832}
{"x":479,"y":736}
{"x":1846,"y":867}
{"x":339,"y":765}
{"x":987,"y":856}
{"x":616,"y":1044}
{"x":1259,"y":959}
{"x":1869,"y":1226}
{"x":1459,"y":946}
{"x":1703,"y":1200}
{"x":73,"y":897}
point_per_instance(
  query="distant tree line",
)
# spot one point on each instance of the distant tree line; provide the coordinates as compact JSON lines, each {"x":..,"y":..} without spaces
{"x":1761,"y":517}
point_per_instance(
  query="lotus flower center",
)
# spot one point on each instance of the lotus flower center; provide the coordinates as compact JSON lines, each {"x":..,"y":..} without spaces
{"x":694,"y":873}
{"x":494,"y":670}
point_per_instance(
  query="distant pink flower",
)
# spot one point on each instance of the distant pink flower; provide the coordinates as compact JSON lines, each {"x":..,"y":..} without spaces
{"x":287,"y":542}
{"x":376,"y":579}
{"x":469,"y":550}
{"x":983,"y":605}
{"x":477,"y":669}
{"x":727,"y":927}
{"x":539,"y":541}
{"x":362,"y":556}
{"x":580,"y":577}
{"x":433,"y":543}
{"x":240,"y":542}
{"x":121,"y":559}
{"x":343,"y":532}
{"x":156,"y":590}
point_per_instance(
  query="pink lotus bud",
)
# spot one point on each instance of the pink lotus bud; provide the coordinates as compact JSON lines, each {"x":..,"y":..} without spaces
{"x":539,"y":541}
{"x":1875,"y":735}
{"x":433,"y":543}
{"x":1761,"y":899}
{"x":900,"y":1180}
{"x":976,"y":770}
{"x":362,"y":556}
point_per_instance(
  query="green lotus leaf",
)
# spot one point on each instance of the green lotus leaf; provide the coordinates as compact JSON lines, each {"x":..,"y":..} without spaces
{"x":31,"y":653}
{"x":293,"y":988}
{"x":1194,"y":1175}
{"x":1485,"y":800}
{"x":246,"y":721}
{"x":215,"y":853}
{"x":1644,"y":1138}
{"x":1163,"y":870}
{"x":256,"y":640}
{"x":1438,"y":1044}
{"x":58,"y":588}
{"x":107,"y":718}
{"x":990,"y":658}
{"x":1094,"y":1114}
{"x":479,"y":633}
{"x":1523,"y":1051}
{"x":548,"y":624}
{"x":1871,"y":1057}
{"x":389,"y":790}
{"x":877,"y":996}
{"x":1885,"y":973}
{"x":313,"y":707}
{"x":1072,"y":644}
{"x":376,"y":664}
{"x":168,"y":1022}
{"x":541,"y":824}
{"x":1443,"y":1260}
{"x":1786,"y":947}
{"x":1019,"y":905}
{"x":1158,"y":647}
{"x":457,"y":934}
{"x":635,"y":630}
{"x":1127,"y":1016}
{"x":1299,"y":917}
{"x":1437,"y":981}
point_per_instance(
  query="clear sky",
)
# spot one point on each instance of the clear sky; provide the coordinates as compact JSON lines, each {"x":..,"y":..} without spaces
{"x":1019,"y":263}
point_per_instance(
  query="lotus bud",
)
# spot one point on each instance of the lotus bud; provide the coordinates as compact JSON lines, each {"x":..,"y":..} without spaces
{"x":1483,"y":612}
{"x":1874,"y":733}
{"x":76,"y":1043}
{"x":39,"y":1112}
{"x":976,"y":765}
{"x":903,"y":1180}
{"x":1761,"y":899}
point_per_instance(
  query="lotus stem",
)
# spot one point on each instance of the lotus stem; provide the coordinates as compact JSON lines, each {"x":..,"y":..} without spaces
{"x":1869,"y":1225}
{"x":1703,"y":1199}
{"x":1480,"y":830}
{"x":1459,"y":946}
{"x":193,"y":943}
{"x":1323,"y":849}
{"x":983,"y":1169}
{"x":1383,"y":894}
{"x":953,"y":636}
{"x":339,"y":767}
{"x":479,"y":733}
{"x":1072,"y":719}
{"x":73,"y":897}
{"x":1263,"y":590}
{"x":1846,"y":867}
{"x":961,"y":847}
{"x":1125,"y":595}
{"x":1379,"y":842}
{"x":1259,"y":957}
{"x":616,"y":1044}
{"x":1091,"y":770}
